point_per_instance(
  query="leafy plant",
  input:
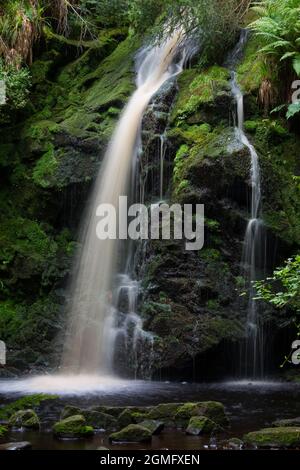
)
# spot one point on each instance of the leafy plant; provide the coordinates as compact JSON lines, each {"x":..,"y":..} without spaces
{"x":283,"y":289}
{"x":278,"y":26}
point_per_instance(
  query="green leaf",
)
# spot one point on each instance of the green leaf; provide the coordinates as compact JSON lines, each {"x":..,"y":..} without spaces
{"x":293,"y":109}
{"x":296,"y":64}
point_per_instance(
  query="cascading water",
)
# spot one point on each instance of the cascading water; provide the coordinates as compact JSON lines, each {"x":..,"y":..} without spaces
{"x":253,"y":259}
{"x":94,"y":326}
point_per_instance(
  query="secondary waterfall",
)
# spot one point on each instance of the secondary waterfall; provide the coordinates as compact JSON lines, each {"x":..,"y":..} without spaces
{"x":253,"y":258}
{"x":92,"y":327}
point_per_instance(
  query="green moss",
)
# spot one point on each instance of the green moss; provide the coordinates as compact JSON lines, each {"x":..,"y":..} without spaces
{"x":274,"y":437}
{"x":24,"y":418}
{"x":253,"y":69}
{"x":164,"y":410}
{"x":196,"y":89}
{"x":74,"y":426}
{"x":3,"y":430}
{"x":31,"y":401}
{"x":132,"y":433}
{"x":45,"y":168}
{"x":200,"y":425}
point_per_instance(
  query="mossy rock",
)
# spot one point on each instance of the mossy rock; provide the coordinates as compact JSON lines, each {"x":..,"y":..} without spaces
{"x":70,"y":410}
{"x":99,"y":420}
{"x":210,"y":409}
{"x":281,"y":437}
{"x":72,"y":427}
{"x":31,"y":401}
{"x":154,"y":426}
{"x":132,"y":433}
{"x":131,"y":415}
{"x":200,"y":425}
{"x":164,"y":410}
{"x":24,"y":418}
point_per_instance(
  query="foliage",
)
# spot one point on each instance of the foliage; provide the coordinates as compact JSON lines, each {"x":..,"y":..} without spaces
{"x":278,"y":26}
{"x":17,"y":85}
{"x":283,"y":289}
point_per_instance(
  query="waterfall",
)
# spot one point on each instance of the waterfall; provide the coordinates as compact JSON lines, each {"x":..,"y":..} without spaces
{"x":253,"y":258}
{"x":93,"y":327}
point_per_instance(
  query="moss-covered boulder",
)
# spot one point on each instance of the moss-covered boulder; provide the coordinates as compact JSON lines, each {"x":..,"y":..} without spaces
{"x":281,"y":437}
{"x":132,"y":433}
{"x":24,"y":418}
{"x":72,"y":427}
{"x":99,"y":420}
{"x":70,"y":410}
{"x":155,"y":427}
{"x":131,"y":415}
{"x":200,"y":425}
{"x":164,"y":410}
{"x":213,"y":410}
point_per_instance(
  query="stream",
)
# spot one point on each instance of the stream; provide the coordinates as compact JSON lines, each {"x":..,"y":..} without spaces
{"x":249,"y":406}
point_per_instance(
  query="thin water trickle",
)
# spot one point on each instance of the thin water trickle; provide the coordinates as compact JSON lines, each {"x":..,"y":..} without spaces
{"x":92,"y":331}
{"x":253,"y":258}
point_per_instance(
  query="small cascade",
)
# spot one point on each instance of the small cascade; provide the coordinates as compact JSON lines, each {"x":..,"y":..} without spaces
{"x":254,"y":251}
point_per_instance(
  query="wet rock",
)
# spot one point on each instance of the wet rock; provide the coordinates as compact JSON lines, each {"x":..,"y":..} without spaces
{"x":164,"y":410}
{"x":72,"y":427}
{"x":287,"y":422}
{"x":233,"y":444}
{"x":99,"y":420}
{"x":200,"y":425}
{"x":24,"y":418}
{"x":281,"y":437}
{"x":155,"y":427}
{"x":131,"y":415}
{"x":70,"y":410}
{"x":210,"y":409}
{"x":132,"y":433}
{"x":24,"y":445}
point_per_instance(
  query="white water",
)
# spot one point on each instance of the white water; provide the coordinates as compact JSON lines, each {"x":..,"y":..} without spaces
{"x":254,"y":242}
{"x":91,"y":331}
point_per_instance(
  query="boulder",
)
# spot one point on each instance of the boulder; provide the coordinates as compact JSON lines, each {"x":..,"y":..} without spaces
{"x":16,"y":446}
{"x":155,"y":427}
{"x":210,"y":409}
{"x":132,"y":415}
{"x":200,"y":425}
{"x":99,"y":420}
{"x":70,"y":410}
{"x":132,"y":433}
{"x":24,"y":419}
{"x":233,"y":444}
{"x":280,"y":437}
{"x":72,"y":427}
{"x":164,"y":410}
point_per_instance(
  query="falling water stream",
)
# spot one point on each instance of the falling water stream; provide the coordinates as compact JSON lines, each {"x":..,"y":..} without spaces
{"x":253,"y":258}
{"x":94,"y":324}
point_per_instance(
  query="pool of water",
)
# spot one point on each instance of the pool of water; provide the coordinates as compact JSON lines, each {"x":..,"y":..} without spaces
{"x":249,"y":405}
